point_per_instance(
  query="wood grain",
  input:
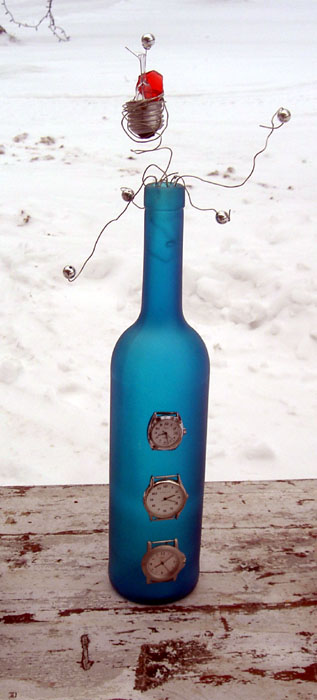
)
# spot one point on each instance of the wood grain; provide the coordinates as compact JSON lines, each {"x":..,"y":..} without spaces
{"x":248,"y":630}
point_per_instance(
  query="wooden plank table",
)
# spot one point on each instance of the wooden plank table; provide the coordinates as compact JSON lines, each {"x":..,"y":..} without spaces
{"x":247,"y":631}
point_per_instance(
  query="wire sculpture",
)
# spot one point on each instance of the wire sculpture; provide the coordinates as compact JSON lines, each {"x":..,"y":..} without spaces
{"x":143,"y":122}
{"x":143,"y":116}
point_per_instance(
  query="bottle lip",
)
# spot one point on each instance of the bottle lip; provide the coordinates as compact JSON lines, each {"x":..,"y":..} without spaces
{"x":164,"y":196}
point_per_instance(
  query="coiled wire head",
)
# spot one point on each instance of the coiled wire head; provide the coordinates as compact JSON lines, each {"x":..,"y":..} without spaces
{"x":144,"y":118}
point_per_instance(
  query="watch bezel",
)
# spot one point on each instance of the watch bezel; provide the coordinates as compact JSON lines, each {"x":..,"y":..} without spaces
{"x":162,"y":546}
{"x":156,"y":418}
{"x":154,"y":482}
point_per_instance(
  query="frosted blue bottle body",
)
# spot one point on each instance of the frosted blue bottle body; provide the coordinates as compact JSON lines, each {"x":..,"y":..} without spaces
{"x":159,"y":364}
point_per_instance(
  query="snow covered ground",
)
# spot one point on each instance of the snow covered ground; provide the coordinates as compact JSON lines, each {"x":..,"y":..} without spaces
{"x":250,"y":287}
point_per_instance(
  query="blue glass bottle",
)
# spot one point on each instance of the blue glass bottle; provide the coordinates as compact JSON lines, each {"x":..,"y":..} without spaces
{"x":159,"y":394}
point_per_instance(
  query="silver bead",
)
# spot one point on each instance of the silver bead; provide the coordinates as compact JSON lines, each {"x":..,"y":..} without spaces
{"x":283,"y":115}
{"x":147,"y":41}
{"x":69,"y":272}
{"x":222,"y":217}
{"x":127,"y":194}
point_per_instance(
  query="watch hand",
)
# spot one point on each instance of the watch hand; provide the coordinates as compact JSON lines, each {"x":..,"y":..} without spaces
{"x":166,"y":498}
{"x":170,"y":557}
{"x":163,"y":563}
{"x":163,"y":433}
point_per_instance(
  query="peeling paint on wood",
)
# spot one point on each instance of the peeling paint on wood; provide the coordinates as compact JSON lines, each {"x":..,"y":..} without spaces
{"x":18,"y":619}
{"x":248,"y":629}
{"x":158,"y":663}
{"x":86,"y":663}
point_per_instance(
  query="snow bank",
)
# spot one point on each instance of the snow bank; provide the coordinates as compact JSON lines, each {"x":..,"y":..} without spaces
{"x":249,"y":287}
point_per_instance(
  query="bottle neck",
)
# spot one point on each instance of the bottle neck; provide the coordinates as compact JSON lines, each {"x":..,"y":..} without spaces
{"x":163,"y":253}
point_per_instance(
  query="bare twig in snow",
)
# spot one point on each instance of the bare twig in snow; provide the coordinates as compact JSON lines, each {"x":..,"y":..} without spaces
{"x":59,"y":32}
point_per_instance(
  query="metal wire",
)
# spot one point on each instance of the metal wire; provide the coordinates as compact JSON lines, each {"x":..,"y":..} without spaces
{"x":165,"y":173}
{"x":143,"y":119}
{"x":116,"y":218}
{"x":240,"y":184}
{"x":174,"y":178}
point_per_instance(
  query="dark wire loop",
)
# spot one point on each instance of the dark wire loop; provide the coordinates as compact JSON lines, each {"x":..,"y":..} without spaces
{"x":137,"y":112}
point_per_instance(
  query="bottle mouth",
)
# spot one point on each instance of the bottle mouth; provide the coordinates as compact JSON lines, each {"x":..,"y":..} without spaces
{"x":164,"y":196}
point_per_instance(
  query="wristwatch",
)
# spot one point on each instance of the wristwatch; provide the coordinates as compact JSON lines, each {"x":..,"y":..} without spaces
{"x":165,"y":430}
{"x":165,"y":497}
{"x":162,"y":561}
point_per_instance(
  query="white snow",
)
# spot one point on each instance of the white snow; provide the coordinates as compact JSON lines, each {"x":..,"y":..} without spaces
{"x":250,"y":286}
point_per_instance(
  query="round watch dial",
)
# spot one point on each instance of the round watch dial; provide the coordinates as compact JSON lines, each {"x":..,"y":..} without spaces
{"x":165,"y":499}
{"x":166,"y":433}
{"x":163,"y":563}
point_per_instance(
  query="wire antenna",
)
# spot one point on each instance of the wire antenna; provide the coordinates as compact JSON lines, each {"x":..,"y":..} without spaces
{"x":283,"y":115}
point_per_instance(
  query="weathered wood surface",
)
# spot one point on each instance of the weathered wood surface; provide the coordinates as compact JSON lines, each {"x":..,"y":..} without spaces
{"x":247,"y":631}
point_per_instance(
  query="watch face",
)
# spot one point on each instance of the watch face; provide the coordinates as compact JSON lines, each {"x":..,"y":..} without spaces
{"x":165,"y":499}
{"x":166,"y":432}
{"x":163,"y":563}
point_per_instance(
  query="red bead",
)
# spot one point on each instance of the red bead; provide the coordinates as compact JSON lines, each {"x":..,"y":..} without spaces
{"x":150,"y":84}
